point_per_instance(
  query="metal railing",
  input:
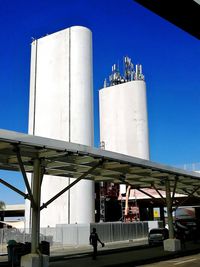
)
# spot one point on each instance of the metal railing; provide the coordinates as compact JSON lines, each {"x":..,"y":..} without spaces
{"x":190,"y":166}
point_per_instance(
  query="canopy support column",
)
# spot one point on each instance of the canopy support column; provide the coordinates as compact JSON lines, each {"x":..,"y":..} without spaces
{"x":36,"y":191}
{"x":169,"y":208}
{"x":170,"y":244}
{"x":35,"y":258}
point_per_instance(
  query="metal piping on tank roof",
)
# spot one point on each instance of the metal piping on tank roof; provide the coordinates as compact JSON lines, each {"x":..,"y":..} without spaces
{"x":129,"y":73}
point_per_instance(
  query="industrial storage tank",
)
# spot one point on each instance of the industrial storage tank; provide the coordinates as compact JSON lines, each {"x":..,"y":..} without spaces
{"x":123,"y":113}
{"x":61,"y":107}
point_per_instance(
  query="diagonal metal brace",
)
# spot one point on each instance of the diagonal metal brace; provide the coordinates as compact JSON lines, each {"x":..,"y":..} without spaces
{"x":122,"y":179}
{"x":44,"y":205}
{"x":174,"y":190}
{"x":17,"y":150}
{"x":188,"y":197}
{"x":142,"y":191}
{"x":159,"y":193}
{"x":14,"y":189}
{"x":154,"y":198}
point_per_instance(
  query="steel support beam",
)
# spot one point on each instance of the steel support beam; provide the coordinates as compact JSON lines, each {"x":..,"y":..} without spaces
{"x":44,"y":205}
{"x":142,"y":191}
{"x":21,"y":165}
{"x":174,"y":190}
{"x":35,"y":211}
{"x":14,"y":189}
{"x":169,"y":209}
{"x":122,"y":179}
{"x":188,"y":197}
{"x":159,"y":194}
{"x":155,"y":199}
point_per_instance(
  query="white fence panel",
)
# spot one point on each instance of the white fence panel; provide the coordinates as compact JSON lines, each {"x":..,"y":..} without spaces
{"x":78,"y":234}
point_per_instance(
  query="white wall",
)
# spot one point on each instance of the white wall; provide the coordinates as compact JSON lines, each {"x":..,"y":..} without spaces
{"x":61,"y":107}
{"x":123,"y":119}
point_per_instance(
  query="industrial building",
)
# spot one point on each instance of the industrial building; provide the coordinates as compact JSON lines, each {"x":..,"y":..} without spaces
{"x":124,"y":129}
{"x":124,"y":122}
{"x":61,"y":107}
{"x":123,"y":112}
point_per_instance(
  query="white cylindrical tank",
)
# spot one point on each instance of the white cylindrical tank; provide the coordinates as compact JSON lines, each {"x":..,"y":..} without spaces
{"x":123,"y":119}
{"x":81,"y":117}
{"x":61,"y":107}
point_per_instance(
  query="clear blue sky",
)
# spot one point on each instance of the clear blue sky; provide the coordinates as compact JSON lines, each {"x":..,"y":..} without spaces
{"x":170,"y":59}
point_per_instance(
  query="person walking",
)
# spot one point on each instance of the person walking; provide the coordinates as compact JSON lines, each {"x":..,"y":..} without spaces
{"x":94,"y":239}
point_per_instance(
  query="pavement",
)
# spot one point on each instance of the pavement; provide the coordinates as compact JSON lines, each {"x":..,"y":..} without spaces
{"x":130,"y":253}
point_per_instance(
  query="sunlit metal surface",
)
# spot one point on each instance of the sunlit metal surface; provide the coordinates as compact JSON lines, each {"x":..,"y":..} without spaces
{"x":65,"y":159}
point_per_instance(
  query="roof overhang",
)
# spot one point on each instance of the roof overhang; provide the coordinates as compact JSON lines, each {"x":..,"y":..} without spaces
{"x":17,"y":210}
{"x":60,"y":158}
{"x":184,"y":14}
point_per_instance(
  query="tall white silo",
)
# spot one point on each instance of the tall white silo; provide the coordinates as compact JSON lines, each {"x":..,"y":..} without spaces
{"x":123,"y":113}
{"x":61,"y":107}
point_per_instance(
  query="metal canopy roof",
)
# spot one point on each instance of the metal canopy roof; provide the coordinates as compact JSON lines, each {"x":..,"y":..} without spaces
{"x":184,"y":14}
{"x":60,"y":158}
